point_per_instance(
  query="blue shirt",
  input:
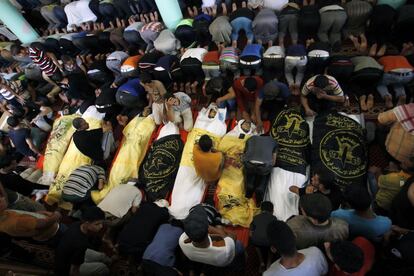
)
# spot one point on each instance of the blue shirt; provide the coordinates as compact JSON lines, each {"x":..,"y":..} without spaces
{"x":18,"y":138}
{"x":163,"y":246}
{"x":372,"y":229}
{"x":133,"y":87}
{"x":297,"y":50}
{"x":255,"y":50}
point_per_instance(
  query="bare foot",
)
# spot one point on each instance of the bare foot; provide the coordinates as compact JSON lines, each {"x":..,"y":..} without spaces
{"x":381,"y":51}
{"x":401,"y":100}
{"x":373,"y":50}
{"x":370,"y":101}
{"x":363,"y":103}
{"x":388,"y":102}
{"x":233,"y":7}
{"x":224,"y":8}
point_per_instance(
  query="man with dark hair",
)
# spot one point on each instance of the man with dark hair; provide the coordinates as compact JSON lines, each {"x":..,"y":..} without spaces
{"x":178,"y":107}
{"x":305,"y":262}
{"x":361,"y":218}
{"x":221,"y":91}
{"x":74,"y":254}
{"x":258,"y":232}
{"x":208,"y":162}
{"x":247,"y":91}
{"x":207,"y":244}
{"x":97,"y":144}
{"x":321,"y":182}
{"x":355,"y":258}
{"x":320,"y":93}
{"x":271,"y":99}
{"x":314,"y":226}
{"x":21,"y":139}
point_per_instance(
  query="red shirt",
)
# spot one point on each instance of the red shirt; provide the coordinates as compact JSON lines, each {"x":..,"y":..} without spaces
{"x":369,"y":256}
{"x":243,"y":96}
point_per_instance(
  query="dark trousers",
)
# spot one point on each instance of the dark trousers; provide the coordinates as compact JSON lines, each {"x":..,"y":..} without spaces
{"x":133,"y":38}
{"x":60,"y":14}
{"x":381,"y":21}
{"x":318,"y":105}
{"x":122,"y":8}
{"x":365,"y":81}
{"x":255,"y":183}
{"x":308,"y":23}
{"x":186,"y":35}
{"x":108,"y":12}
{"x":67,"y":47}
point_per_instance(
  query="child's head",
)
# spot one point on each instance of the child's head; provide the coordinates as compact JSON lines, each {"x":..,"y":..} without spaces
{"x":267,"y":206}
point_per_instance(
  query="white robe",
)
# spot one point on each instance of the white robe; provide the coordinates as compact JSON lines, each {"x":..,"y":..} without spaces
{"x":79,"y":12}
{"x":189,"y":188}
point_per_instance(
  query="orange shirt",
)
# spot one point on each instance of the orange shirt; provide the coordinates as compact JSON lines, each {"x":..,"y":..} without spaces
{"x":394,"y":62}
{"x":18,"y":223}
{"x":207,"y":164}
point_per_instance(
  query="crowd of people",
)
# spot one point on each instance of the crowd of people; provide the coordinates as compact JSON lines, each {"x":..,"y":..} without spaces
{"x":131,"y":123}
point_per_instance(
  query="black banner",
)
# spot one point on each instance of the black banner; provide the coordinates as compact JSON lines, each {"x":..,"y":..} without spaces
{"x":291,"y":132}
{"x":159,"y":168}
{"x":339,"y":146}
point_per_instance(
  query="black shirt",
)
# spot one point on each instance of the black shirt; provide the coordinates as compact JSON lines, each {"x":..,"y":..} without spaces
{"x":402,"y":211}
{"x":243,"y":12}
{"x":15,"y":182}
{"x":71,"y":249}
{"x":89,"y":142}
{"x":142,"y":227}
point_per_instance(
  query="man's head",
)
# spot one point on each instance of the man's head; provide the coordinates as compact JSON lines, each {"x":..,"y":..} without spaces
{"x":171,"y":97}
{"x":346,"y":256}
{"x":13,"y":121}
{"x":321,"y":81}
{"x":214,"y":86}
{"x":145,"y":78}
{"x":281,"y":239}
{"x":80,"y":124}
{"x":266,"y":206}
{"x":322,"y":177}
{"x":250,"y":84}
{"x":316,"y":207}
{"x":205,"y":143}
{"x":270,"y":91}
{"x":93,"y":219}
{"x":196,"y":224}
{"x":19,"y":51}
{"x":357,"y":197}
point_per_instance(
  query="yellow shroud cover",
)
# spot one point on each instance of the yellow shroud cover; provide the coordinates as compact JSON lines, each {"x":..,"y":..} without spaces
{"x":137,"y":135}
{"x":232,"y":203}
{"x":72,"y":160}
{"x":58,"y":143}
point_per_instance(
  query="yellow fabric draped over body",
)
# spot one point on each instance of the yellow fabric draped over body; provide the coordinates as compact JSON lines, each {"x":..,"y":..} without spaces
{"x":192,"y":138}
{"x":58,"y":143}
{"x":72,"y":160}
{"x":137,"y":135}
{"x":232,"y":203}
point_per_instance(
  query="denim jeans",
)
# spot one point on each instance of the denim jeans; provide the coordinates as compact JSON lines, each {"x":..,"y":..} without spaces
{"x":397,"y":82}
{"x":241,"y":23}
{"x":60,"y":14}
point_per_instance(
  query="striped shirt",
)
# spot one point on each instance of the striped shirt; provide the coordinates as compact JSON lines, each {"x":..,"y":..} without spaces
{"x":153,"y":26}
{"x":42,"y":60}
{"x":332,"y":89}
{"x":229,"y":54}
{"x":8,"y":87}
{"x":82,"y":180}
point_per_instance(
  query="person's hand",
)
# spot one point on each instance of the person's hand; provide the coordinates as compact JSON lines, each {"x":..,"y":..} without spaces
{"x":170,"y":102}
{"x":101,"y":184}
{"x":309,"y":112}
{"x":106,"y":126}
{"x":218,"y":101}
{"x":399,"y":230}
{"x":310,"y":189}
{"x":32,"y":158}
{"x":320,"y":94}
{"x":113,"y":85}
{"x":294,"y":189}
{"x":21,"y":100}
{"x":259,"y":126}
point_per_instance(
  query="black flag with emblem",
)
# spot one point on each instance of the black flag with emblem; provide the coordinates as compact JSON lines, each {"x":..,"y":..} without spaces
{"x":291,"y":132}
{"x":159,"y":168}
{"x":339,"y":146}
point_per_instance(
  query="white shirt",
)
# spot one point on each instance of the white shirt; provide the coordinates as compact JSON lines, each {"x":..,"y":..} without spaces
{"x":120,"y":199}
{"x":212,"y":255}
{"x":197,"y":53}
{"x":276,"y":5}
{"x":314,"y":264}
